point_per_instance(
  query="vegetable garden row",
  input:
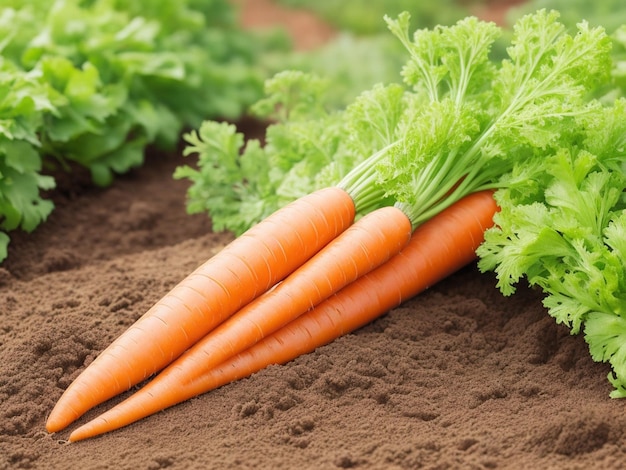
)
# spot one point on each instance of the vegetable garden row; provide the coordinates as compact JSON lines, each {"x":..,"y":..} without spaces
{"x":505,"y":145}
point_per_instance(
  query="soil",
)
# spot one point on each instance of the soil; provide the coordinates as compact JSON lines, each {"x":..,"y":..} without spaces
{"x":458,"y":377}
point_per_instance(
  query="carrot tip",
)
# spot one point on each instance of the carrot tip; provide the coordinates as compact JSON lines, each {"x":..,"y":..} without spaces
{"x":55,"y":425}
{"x":91,"y":429}
{"x":79,"y":435}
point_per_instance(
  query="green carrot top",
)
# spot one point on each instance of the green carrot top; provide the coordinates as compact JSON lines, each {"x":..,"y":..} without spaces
{"x":562,"y":227}
{"x":455,"y":123}
{"x":475,"y":118}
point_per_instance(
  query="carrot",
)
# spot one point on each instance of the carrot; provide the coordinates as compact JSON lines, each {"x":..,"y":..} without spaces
{"x":342,"y":261}
{"x":242,"y":271}
{"x":437,"y":248}
{"x":364,"y":246}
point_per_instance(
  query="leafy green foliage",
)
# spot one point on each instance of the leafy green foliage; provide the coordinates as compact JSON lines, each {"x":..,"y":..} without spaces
{"x":456,"y":123}
{"x":481,"y":117}
{"x":239,"y":190}
{"x":562,"y":226}
{"x":94,"y":82}
{"x":609,"y":14}
{"x":23,"y":100}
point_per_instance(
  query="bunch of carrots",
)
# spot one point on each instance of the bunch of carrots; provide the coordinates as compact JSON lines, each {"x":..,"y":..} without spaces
{"x":341,"y":256}
{"x":243,"y":309}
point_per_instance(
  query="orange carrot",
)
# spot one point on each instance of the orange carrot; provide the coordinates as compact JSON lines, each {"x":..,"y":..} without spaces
{"x":242,"y":271}
{"x":437,"y":248}
{"x":364,"y":246}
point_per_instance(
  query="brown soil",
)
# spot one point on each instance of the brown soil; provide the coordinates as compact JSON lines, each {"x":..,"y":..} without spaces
{"x":459,"y":377}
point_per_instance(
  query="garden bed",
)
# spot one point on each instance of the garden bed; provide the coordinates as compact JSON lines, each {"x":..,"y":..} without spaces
{"x":458,"y":377}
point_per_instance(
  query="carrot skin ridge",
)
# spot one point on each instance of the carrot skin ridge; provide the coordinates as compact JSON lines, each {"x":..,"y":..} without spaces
{"x":425,"y":261}
{"x":243,"y":270}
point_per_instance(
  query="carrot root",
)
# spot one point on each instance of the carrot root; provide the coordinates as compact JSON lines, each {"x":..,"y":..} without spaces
{"x":437,"y":248}
{"x":242,"y":271}
{"x":364,"y":246}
